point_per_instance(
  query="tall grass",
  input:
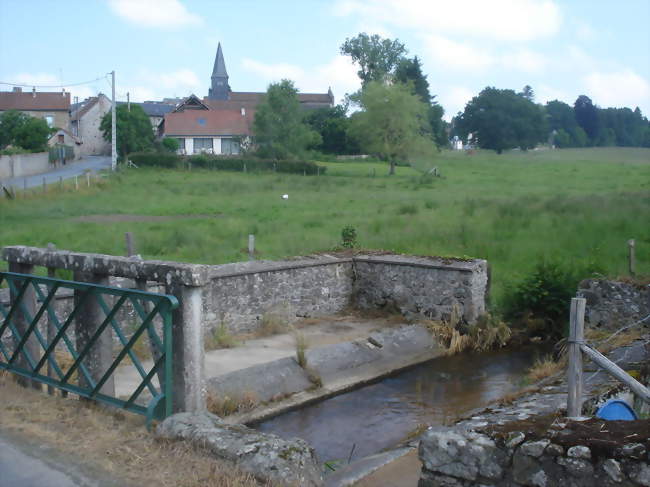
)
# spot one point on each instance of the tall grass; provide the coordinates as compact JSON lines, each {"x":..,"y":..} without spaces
{"x":574,"y":206}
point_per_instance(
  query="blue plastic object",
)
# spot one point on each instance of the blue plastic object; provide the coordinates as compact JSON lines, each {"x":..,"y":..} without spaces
{"x":616,"y":409}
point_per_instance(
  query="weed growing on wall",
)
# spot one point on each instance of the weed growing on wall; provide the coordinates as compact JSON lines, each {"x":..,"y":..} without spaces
{"x":349,"y":237}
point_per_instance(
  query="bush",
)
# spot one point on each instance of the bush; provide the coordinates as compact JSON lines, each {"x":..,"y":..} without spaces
{"x":541,"y":301}
{"x":349,"y":237}
{"x":225,"y":163}
{"x":170,"y":144}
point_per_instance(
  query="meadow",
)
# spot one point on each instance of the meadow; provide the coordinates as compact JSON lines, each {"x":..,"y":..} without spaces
{"x":577,"y":207}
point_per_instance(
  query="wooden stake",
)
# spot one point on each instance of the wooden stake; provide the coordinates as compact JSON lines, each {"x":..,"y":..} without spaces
{"x":76,"y":183}
{"x":631,"y":256}
{"x":574,"y":372}
{"x":88,"y":179}
{"x":44,"y":185}
{"x":130,"y":246}
{"x":251,"y":247}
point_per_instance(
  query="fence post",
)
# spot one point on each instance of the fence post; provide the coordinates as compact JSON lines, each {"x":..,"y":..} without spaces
{"x":51,"y":329}
{"x":88,"y":179}
{"x":21,"y":322}
{"x":631,"y":256}
{"x":76,"y":183}
{"x":44,"y":186}
{"x":130,"y":248}
{"x":251,"y":247}
{"x":89,"y":318}
{"x":574,"y":372}
{"x":188,"y":353}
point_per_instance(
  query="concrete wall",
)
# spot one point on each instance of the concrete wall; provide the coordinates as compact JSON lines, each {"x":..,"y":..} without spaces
{"x":19,"y":165}
{"x":612,"y":304}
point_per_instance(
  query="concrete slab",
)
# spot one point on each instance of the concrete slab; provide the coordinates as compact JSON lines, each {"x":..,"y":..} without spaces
{"x":395,"y":468}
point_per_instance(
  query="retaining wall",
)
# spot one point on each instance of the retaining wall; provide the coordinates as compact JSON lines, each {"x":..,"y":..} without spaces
{"x":612,"y":304}
{"x":20,"y":165}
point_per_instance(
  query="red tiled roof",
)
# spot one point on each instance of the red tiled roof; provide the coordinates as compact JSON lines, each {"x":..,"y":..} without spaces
{"x":208,"y":122}
{"x":12,"y":100}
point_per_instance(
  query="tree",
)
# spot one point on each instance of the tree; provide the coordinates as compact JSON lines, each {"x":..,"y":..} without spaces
{"x":170,"y":144}
{"x":587,"y":117}
{"x":502,"y":119}
{"x":377,"y":58}
{"x":528,"y":93}
{"x":134,"y":131}
{"x":279,"y":130}
{"x":333,"y":126}
{"x":21,"y":130}
{"x":391,"y":123}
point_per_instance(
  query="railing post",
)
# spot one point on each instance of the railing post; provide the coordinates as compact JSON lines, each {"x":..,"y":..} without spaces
{"x":51,"y":329}
{"x":574,"y":372}
{"x":21,"y":322}
{"x":89,"y":318}
{"x":188,"y":351}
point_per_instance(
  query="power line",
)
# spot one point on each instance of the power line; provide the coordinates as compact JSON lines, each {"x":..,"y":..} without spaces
{"x":52,"y":86}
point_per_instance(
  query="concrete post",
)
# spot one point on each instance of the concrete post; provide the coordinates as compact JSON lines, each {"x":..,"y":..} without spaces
{"x":21,"y":322}
{"x":188,"y":351}
{"x":89,"y":318}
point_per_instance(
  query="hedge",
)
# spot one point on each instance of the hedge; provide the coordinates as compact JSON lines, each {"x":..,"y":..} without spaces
{"x":225,"y":163}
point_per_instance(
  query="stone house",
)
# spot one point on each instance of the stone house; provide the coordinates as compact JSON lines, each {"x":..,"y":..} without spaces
{"x":64,"y":137}
{"x":86,"y":119}
{"x":53,"y":107}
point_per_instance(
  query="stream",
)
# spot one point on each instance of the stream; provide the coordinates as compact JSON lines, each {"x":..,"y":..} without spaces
{"x":381,"y":415}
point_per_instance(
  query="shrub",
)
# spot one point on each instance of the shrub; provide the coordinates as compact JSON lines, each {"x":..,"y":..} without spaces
{"x":158,"y":159}
{"x":407,"y":209}
{"x":170,"y":144}
{"x":348,"y":237}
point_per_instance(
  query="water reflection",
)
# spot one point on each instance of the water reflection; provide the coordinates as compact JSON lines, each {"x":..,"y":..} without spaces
{"x":380,"y":415}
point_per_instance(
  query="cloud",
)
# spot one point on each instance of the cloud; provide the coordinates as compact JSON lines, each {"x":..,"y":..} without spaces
{"x":508,"y":20}
{"x":457,"y":55}
{"x":150,"y":85}
{"x":454,"y":100}
{"x":166,"y":14}
{"x":618,"y":89}
{"x":545,"y":93}
{"x":339,"y":74}
{"x":524,"y":60}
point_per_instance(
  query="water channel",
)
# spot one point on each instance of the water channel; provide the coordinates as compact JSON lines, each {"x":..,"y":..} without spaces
{"x":381,"y":415}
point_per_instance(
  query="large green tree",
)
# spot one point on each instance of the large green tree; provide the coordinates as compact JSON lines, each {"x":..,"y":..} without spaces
{"x":333,"y":126}
{"x":391,"y":123}
{"x":278,"y":126}
{"x":21,"y":130}
{"x":376,"y":57}
{"x":134,"y":131}
{"x":586,"y":114}
{"x":503,"y":119}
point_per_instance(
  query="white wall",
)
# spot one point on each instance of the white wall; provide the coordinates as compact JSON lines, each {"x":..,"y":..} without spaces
{"x":189,"y":145}
{"x":216,"y":145}
{"x":19,"y":165}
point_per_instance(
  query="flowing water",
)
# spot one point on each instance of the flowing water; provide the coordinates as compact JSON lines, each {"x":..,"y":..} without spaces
{"x":380,"y":415}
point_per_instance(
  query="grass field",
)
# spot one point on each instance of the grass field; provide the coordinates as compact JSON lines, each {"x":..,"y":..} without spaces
{"x":576,"y":206}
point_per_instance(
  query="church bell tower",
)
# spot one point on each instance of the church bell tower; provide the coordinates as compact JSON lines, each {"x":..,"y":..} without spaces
{"x":220,"y":89}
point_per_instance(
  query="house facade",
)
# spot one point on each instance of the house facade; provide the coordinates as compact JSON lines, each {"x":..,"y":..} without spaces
{"x":222,"y":122}
{"x":86,"y":119}
{"x":63,"y":137}
{"x":53,"y":107}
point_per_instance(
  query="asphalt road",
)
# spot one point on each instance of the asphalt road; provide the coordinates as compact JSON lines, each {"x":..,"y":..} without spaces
{"x":70,"y":170}
{"x":20,"y":469}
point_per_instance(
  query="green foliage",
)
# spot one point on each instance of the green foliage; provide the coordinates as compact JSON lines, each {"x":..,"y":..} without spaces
{"x":502,"y":119}
{"x":376,"y":57}
{"x":225,"y":163}
{"x":349,"y":237}
{"x":279,"y":130}
{"x":410,"y":71}
{"x":21,"y":130}
{"x":586,"y":114}
{"x":391,"y":124}
{"x":332,"y":124}
{"x":170,"y":144}
{"x":134,"y":131}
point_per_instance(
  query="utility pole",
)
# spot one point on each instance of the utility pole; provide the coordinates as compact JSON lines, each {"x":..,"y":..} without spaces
{"x":113,"y":127}
{"x":128,"y":102}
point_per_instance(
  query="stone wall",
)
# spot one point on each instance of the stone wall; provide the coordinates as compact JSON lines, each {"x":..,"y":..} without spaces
{"x":612,"y":304}
{"x":421,"y":286}
{"x":20,"y":165}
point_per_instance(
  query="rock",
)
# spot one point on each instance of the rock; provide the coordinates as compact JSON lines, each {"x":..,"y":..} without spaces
{"x":515,"y":438}
{"x":579,"y":451}
{"x":576,"y":466}
{"x":613,"y":469}
{"x":641,"y":474}
{"x":634,"y":450}
{"x":268,"y":457}
{"x":554,"y":450}
{"x":534,"y":448}
{"x":527,"y":471}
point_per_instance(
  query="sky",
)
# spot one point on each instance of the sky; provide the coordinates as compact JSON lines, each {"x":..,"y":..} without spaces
{"x":166,"y":48}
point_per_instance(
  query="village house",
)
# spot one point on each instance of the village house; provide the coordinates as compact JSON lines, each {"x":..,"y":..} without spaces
{"x":63,"y":137}
{"x":86,"y":119}
{"x":221,"y":122}
{"x":53,"y":107}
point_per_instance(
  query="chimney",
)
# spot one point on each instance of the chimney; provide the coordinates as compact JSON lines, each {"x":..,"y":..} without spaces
{"x":243,"y":112}
{"x":63,"y":92}
{"x":17,"y":89}
{"x":34,"y":92}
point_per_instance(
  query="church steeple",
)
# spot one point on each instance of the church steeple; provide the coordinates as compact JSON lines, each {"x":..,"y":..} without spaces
{"x":220,"y":89}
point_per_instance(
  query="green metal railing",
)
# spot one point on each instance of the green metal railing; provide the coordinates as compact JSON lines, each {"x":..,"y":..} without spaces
{"x":33,"y":334}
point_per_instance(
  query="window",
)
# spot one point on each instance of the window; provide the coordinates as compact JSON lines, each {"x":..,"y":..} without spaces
{"x":50,"y":120}
{"x":181,"y":144}
{"x":61,"y":140}
{"x":201,"y":121}
{"x":202,"y":145}
{"x":229,"y":146}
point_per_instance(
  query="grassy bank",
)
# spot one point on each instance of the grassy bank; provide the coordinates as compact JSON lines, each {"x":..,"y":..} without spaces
{"x":576,"y":206}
